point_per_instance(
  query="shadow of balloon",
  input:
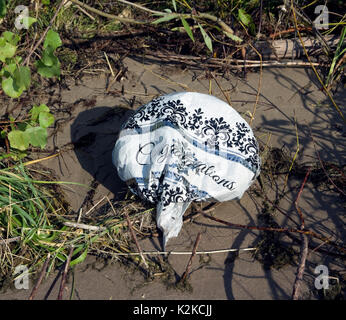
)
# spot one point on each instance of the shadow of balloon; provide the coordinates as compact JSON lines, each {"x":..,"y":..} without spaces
{"x":94,"y":133}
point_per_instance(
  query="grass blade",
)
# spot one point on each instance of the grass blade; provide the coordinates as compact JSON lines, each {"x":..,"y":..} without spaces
{"x":187,"y":28}
{"x":165,"y":18}
{"x":206,"y":38}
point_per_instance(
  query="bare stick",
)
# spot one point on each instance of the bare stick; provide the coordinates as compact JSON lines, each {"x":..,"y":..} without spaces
{"x":223,"y":91}
{"x":165,"y":253}
{"x":302,"y":223}
{"x":187,"y":270}
{"x":304,"y":246}
{"x":7,"y":241}
{"x":135,"y":240}
{"x":306,"y":232}
{"x":140,"y":7}
{"x":301,"y":267}
{"x":64,"y":275}
{"x":226,"y":28}
{"x":43,"y":272}
{"x":107,"y":15}
{"x":83,"y":226}
{"x":259,"y":85}
{"x":26,"y":61}
{"x":94,"y":206}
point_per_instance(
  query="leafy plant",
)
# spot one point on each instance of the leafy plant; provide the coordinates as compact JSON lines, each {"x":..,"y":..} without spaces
{"x":169,"y":15}
{"x":338,"y":59}
{"x":246,"y":20}
{"x":32,"y":132}
{"x":49,"y":65}
{"x":29,"y":212}
{"x":3,"y":8}
{"x":16,"y":78}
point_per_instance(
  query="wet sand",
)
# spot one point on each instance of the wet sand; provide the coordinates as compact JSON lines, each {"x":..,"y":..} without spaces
{"x":287,"y":97}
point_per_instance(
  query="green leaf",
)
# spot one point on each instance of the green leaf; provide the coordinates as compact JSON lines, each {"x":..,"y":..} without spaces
{"x":28,"y":21}
{"x":233,"y":37}
{"x":9,"y":69}
{"x":206,"y":38}
{"x":166,"y":17}
{"x":52,"y":39}
{"x":15,"y":80}
{"x":36,"y":110}
{"x":187,"y":28}
{"x":48,"y":71}
{"x":174,"y":5}
{"x":46,"y":119}
{"x":3,"y":9}
{"x":11,"y":37}
{"x":244,"y":17}
{"x":48,"y":57}
{"x":22,"y":77}
{"x":18,"y":140}
{"x":11,"y":88}
{"x":37,"y":136}
{"x":80,"y":258}
{"x":7,"y":50}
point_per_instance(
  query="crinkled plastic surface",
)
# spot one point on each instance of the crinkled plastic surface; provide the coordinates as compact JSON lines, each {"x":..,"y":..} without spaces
{"x":185,"y":147}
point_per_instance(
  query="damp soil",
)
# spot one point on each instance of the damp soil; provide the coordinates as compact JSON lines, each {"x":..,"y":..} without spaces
{"x":89,"y":113}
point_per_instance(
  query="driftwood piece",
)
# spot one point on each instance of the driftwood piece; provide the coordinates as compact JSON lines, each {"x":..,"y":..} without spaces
{"x":289,"y":48}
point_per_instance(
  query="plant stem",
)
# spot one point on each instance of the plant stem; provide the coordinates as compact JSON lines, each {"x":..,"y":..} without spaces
{"x":301,"y":267}
{"x":139,"y":7}
{"x":26,"y":61}
{"x":186,"y":273}
{"x":207,"y":16}
{"x":64,"y":275}
{"x":43,"y":272}
{"x":135,"y":240}
{"x":292,"y":230}
{"x":313,"y":68}
{"x":107,"y":15}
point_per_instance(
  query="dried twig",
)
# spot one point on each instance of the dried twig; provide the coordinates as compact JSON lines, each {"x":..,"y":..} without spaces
{"x":292,"y":230}
{"x":83,"y":226}
{"x":223,"y":91}
{"x":139,"y":7}
{"x":135,"y":240}
{"x":43,"y":272}
{"x":302,"y":223}
{"x":7,"y":241}
{"x":201,"y":15}
{"x":165,"y":253}
{"x":301,"y":267}
{"x":229,"y":63}
{"x":108,"y":15}
{"x":187,"y":270}
{"x":304,"y":246}
{"x":259,"y":85}
{"x":64,"y":275}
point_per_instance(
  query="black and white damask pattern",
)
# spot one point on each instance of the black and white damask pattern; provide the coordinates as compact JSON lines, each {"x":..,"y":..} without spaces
{"x":186,"y":147}
{"x":216,"y":132}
